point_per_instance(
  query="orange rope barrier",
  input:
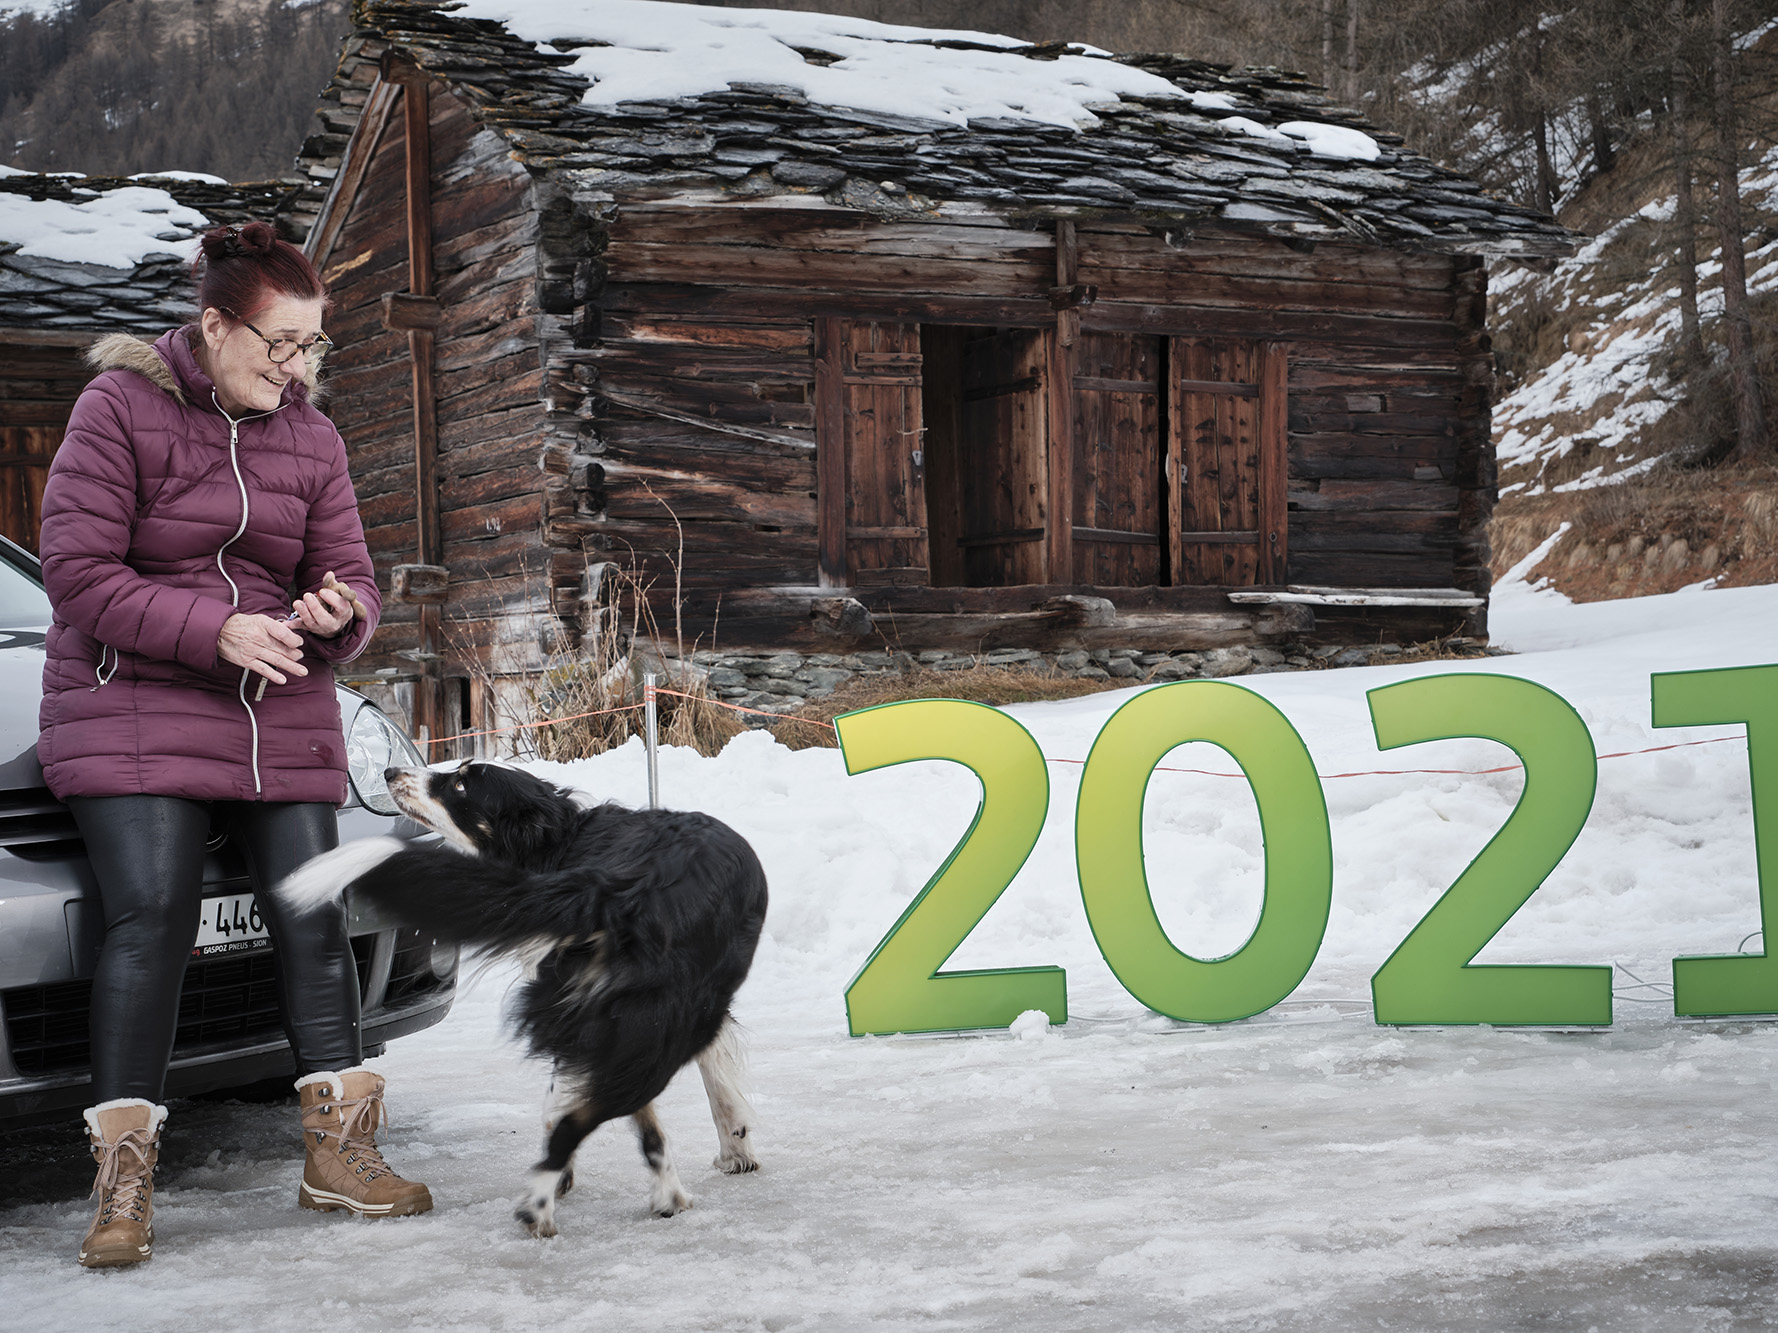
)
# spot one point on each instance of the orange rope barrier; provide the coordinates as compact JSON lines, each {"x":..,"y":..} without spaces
{"x":530,"y":726}
{"x":1202,"y":772}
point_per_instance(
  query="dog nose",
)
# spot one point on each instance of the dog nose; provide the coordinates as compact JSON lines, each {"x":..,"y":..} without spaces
{"x":390,"y":774}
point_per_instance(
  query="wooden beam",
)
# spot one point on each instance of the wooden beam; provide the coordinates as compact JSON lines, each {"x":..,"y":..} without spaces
{"x":405,"y":312}
{"x":1274,"y":463}
{"x":419,"y":584}
{"x":830,"y":451}
{"x":429,"y":711}
{"x":1061,"y":349}
{"x":54,"y":337}
{"x":354,"y":167}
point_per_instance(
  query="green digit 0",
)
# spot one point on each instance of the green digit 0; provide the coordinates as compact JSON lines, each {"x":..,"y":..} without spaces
{"x":1430,"y":978}
{"x":899,"y":988}
{"x":1733,"y":983}
{"x":1293,"y":823}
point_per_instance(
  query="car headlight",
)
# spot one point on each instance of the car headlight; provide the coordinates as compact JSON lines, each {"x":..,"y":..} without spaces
{"x":373,"y":744}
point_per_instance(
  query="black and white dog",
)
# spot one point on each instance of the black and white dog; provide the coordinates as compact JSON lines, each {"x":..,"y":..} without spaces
{"x":636,"y":928}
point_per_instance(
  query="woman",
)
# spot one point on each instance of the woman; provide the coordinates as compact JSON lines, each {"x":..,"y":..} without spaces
{"x":195,"y":521}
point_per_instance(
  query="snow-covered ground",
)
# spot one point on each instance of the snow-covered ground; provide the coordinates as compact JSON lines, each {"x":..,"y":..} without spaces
{"x":1302,"y":1169}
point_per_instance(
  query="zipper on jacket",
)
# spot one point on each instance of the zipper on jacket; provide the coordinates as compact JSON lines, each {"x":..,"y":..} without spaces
{"x":234,"y":459}
{"x":99,"y":672}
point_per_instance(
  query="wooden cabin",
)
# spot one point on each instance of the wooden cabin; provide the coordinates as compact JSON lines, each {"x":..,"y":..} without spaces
{"x":66,"y":281}
{"x":839,"y":379}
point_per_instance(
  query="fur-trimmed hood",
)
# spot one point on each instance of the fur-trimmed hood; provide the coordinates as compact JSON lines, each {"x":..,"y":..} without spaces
{"x":124,"y":351}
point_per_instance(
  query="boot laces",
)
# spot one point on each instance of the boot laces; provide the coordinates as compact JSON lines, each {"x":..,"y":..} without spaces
{"x":359,"y":1119}
{"x":123,"y":1190}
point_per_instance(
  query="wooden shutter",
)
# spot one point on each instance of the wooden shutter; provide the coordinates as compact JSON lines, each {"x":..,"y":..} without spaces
{"x":25,"y":455}
{"x":1227,"y":451}
{"x":1116,"y":483}
{"x":870,"y":459}
{"x":1005,"y":463}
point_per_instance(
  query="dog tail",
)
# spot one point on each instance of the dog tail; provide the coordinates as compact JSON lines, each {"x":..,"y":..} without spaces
{"x":453,"y":896}
{"x":322,"y":879}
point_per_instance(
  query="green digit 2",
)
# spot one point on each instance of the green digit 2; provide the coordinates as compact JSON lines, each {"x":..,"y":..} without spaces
{"x":1733,"y":983}
{"x":1430,"y":978}
{"x":899,"y":988}
{"x":1293,"y":824}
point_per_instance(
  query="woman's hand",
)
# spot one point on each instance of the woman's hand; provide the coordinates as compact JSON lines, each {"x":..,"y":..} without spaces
{"x":262,"y":644}
{"x":323,"y":613}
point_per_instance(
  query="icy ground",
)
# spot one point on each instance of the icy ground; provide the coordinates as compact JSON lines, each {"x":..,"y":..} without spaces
{"x":1303,"y":1169}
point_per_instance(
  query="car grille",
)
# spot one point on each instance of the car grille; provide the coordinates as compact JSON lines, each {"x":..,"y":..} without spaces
{"x":35,"y":825}
{"x":410,"y":973}
{"x":226,"y":1000}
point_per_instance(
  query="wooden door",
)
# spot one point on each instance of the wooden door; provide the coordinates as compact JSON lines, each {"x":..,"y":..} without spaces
{"x":1117,"y":476}
{"x":1005,"y":457}
{"x":1227,"y":449}
{"x":870,"y":459}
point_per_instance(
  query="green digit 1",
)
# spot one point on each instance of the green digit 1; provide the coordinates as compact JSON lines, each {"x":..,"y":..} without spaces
{"x":899,"y":988}
{"x":1293,"y":823}
{"x":1430,"y":978}
{"x":1733,"y":983}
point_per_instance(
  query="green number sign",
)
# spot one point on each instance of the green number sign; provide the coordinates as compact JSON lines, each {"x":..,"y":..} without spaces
{"x":1736,"y":983}
{"x":899,"y":988}
{"x":1430,"y":978}
{"x":1293,"y":822}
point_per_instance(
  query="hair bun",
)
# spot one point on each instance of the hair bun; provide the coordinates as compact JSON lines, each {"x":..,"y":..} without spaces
{"x":255,"y":240}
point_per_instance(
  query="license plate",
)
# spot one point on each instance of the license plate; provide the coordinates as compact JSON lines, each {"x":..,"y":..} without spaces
{"x":230,"y":925}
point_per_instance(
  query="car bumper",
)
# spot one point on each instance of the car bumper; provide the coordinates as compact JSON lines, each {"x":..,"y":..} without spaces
{"x":230,"y":1032}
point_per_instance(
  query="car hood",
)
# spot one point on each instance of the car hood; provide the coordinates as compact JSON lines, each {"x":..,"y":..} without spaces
{"x":21,"y":686}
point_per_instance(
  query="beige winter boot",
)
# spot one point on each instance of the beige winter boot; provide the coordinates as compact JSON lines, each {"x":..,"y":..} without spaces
{"x":341,"y":1112}
{"x":125,"y":1137}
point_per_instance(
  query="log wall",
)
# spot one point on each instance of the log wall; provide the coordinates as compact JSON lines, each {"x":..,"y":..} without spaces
{"x":489,"y":381}
{"x":697,"y":381}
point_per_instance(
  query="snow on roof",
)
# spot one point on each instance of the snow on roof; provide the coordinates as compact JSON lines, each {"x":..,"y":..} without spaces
{"x":115,"y":228}
{"x":202,"y":176}
{"x":647,"y":50}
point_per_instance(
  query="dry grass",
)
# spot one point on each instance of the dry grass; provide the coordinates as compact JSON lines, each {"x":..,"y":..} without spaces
{"x":597,"y":691}
{"x":1653,"y":534}
{"x":612,"y":692}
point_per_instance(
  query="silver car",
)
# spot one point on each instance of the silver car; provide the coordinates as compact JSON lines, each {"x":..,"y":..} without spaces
{"x":51,"y":921}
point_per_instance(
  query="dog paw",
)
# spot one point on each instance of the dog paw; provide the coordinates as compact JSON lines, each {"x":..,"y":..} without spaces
{"x":735,"y":1163}
{"x":665,"y":1203}
{"x":539,"y":1222}
{"x":736,"y":1157}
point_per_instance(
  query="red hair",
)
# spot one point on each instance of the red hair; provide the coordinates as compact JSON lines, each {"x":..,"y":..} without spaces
{"x":240,"y":270}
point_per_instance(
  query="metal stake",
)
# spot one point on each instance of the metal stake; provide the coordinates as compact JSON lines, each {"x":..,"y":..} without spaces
{"x":651,"y":737}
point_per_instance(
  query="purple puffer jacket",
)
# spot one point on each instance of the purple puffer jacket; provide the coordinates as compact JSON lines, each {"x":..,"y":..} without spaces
{"x":156,"y":529}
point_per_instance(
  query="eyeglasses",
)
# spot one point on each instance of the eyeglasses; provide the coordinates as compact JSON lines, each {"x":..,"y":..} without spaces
{"x":281,"y":350}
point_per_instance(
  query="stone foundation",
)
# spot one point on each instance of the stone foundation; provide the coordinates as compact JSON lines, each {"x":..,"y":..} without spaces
{"x":781,"y":682}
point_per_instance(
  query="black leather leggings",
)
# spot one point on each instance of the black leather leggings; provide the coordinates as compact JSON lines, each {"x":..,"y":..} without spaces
{"x":148,"y":855}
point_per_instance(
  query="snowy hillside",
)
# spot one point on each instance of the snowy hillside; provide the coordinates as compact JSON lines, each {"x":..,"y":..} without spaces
{"x":1303,"y":1169}
{"x":1577,"y":421}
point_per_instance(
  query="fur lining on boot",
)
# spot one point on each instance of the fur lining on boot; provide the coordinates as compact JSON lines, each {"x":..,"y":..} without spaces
{"x":91,"y":1114}
{"x":331,"y":1075}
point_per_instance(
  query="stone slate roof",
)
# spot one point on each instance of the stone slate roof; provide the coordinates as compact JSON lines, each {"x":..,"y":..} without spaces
{"x":1149,"y":160}
{"x":151,"y":297}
